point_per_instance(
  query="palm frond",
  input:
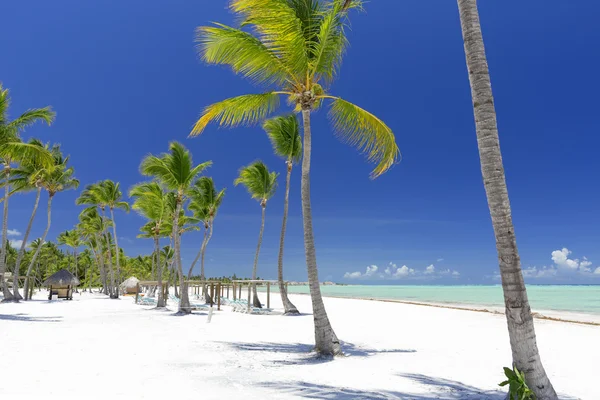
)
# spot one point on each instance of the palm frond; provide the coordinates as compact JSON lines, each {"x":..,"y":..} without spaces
{"x":26,"y":152}
{"x":30,"y":117}
{"x":257,"y":179}
{"x":248,"y":56}
{"x":365,"y":131}
{"x":284,"y":133}
{"x":247,"y":109}
{"x":278,"y":28}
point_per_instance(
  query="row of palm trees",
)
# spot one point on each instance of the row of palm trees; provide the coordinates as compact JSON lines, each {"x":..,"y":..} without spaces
{"x":294,"y":48}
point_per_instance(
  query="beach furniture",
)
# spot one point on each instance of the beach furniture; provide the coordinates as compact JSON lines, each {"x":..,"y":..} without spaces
{"x":61,"y":285}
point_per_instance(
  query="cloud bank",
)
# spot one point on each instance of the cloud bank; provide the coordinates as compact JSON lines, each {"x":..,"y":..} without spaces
{"x":393,"y":272}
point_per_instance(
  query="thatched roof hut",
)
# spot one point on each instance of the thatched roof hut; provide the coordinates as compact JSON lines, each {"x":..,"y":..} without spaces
{"x":129,"y":285}
{"x":61,"y":283}
{"x":61,"y":278}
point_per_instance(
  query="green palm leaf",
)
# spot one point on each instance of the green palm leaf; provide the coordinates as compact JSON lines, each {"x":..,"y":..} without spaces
{"x":284,"y":133}
{"x":26,"y":152}
{"x":365,"y":131}
{"x":247,"y":109}
{"x":259,"y":182}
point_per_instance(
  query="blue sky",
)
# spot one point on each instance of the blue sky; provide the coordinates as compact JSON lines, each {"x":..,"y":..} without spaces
{"x":125,"y":80}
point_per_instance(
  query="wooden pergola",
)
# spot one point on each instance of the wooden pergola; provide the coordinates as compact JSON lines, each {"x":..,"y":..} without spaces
{"x":215,"y":289}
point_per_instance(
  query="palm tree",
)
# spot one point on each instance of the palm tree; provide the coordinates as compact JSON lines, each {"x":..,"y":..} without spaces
{"x":71,"y":239}
{"x":518,"y":312}
{"x":204,"y":204}
{"x":92,"y":226}
{"x":13,"y":150}
{"x":152,"y":203}
{"x":175,"y":171}
{"x":94,"y":195}
{"x":284,"y":134}
{"x":261,"y":185}
{"x":110,"y":195}
{"x":54,"y":180}
{"x":24,"y":178}
{"x":297,"y":46}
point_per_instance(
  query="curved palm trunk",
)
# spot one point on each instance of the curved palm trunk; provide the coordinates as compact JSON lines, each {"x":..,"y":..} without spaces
{"x":202,"y":277}
{"x":76,"y":266}
{"x":24,"y":244}
{"x":288,"y":307}
{"x":8,"y":296}
{"x":184,"y":300}
{"x":42,"y":241}
{"x":256,"y":300}
{"x":101,"y":265}
{"x":518,"y":313}
{"x":201,"y":254}
{"x":118,"y":283}
{"x":111,"y":287}
{"x":160,"y":301}
{"x":326,"y":342}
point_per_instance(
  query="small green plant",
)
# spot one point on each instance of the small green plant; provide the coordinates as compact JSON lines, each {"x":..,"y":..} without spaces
{"x":517,"y":387}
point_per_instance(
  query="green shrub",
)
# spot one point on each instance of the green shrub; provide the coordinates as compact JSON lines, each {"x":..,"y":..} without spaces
{"x":517,"y":387}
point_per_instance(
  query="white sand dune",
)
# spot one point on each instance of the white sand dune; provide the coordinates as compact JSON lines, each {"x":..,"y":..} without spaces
{"x":96,"y":348}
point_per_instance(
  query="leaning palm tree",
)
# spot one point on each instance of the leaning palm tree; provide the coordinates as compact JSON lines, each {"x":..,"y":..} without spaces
{"x":205,"y":201}
{"x":297,"y":46}
{"x":284,"y":134}
{"x":151,"y":202}
{"x":25,"y":178}
{"x":57,"y":179}
{"x":518,"y":312}
{"x":13,"y":150}
{"x":92,"y":226}
{"x":175,"y":171}
{"x":261,"y":185}
{"x":110,"y":194}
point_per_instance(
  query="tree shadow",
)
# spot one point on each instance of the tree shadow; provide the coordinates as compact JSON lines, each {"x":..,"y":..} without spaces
{"x":305,"y":352}
{"x":438,"y":388}
{"x":27,"y":318}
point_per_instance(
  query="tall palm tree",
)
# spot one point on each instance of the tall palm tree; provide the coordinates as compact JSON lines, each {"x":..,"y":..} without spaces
{"x":94,"y":195}
{"x":284,"y":134}
{"x":152,"y":203}
{"x":297,"y":46}
{"x":24,"y":178}
{"x":205,"y":201}
{"x":92,"y":226}
{"x":110,"y":194}
{"x":13,"y":150}
{"x":72,"y":239}
{"x":518,"y":312}
{"x":261,"y":185}
{"x":175,"y":171}
{"x":57,"y":179}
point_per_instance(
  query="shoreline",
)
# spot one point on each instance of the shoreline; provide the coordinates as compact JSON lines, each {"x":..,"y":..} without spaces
{"x":480,"y":309}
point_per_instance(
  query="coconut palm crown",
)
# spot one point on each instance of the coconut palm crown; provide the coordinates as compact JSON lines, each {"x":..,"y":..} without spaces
{"x":295,"y":46}
{"x":259,"y":182}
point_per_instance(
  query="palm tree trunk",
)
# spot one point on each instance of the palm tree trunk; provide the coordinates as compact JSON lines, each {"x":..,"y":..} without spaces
{"x":202,"y":274}
{"x":184,"y":300}
{"x":25,"y":238}
{"x":111,"y":287}
{"x":112,"y":215}
{"x":326,"y":342}
{"x":288,"y":307}
{"x":518,"y":313}
{"x":42,"y":241}
{"x":161,"y":300}
{"x":256,"y":300}
{"x":76,"y":269}
{"x":8,"y":296}
{"x":102,"y":265}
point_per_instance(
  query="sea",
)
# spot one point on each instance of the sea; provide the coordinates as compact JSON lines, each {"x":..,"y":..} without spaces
{"x":572,"y":298}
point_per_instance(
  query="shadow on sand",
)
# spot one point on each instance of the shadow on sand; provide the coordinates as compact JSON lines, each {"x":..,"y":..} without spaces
{"x":437,"y":388}
{"x":305,"y":351}
{"x":27,"y":318}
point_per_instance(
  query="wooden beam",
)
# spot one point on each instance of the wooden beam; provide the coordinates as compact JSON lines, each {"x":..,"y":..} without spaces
{"x":249,"y":299}
{"x":268,"y":294}
{"x":219,"y":296}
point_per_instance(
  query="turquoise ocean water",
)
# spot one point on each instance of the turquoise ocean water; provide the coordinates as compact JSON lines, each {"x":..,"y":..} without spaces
{"x":576,"y":298}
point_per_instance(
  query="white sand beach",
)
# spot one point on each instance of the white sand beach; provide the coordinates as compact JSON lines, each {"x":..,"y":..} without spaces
{"x":94,"y":348}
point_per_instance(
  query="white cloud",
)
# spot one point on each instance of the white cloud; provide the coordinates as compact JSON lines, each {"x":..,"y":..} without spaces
{"x":352,"y":275}
{"x":563,"y":267}
{"x":404,"y":271}
{"x":440,"y":259}
{"x":13,"y":232}
{"x":371,"y":269}
{"x":597,"y":271}
{"x":455,"y":273}
{"x":430,"y":270}
{"x":16,"y":243}
{"x":561,"y":259}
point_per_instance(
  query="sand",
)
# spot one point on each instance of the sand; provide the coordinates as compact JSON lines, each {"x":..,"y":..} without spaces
{"x":97,"y":348}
